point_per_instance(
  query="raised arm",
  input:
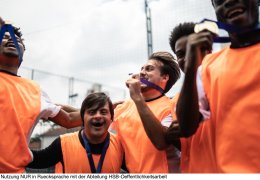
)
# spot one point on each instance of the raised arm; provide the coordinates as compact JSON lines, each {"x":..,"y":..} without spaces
{"x":187,"y":109}
{"x":67,"y":119}
{"x":153,"y":128}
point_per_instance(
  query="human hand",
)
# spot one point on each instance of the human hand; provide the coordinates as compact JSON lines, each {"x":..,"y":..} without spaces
{"x":134,"y":86}
{"x":198,"y":45}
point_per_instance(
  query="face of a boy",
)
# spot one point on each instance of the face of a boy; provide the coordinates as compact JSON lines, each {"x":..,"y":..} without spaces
{"x":96,"y":123}
{"x":8,"y":48}
{"x":241,"y":13}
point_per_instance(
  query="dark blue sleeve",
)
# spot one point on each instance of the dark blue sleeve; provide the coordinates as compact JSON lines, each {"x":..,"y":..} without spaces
{"x":47,"y":157}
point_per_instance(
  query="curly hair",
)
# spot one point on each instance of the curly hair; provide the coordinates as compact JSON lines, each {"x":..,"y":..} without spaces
{"x":183,"y":29}
{"x":170,"y":67}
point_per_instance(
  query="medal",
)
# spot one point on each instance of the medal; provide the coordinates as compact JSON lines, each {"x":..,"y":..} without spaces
{"x":207,"y":25}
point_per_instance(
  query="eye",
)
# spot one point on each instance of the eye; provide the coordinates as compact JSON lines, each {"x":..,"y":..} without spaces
{"x":91,"y":112}
{"x":104,"y":112}
{"x":6,"y":36}
{"x":180,"y":55}
{"x":149,"y":68}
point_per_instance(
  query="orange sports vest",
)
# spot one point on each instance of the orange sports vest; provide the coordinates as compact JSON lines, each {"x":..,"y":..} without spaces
{"x":231,"y":80}
{"x":76,"y":160}
{"x":19,"y":107}
{"x":195,"y":154}
{"x":58,"y":168}
{"x":140,"y":154}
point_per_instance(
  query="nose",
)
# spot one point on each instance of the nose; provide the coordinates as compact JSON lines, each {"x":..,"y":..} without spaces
{"x":97,"y":115}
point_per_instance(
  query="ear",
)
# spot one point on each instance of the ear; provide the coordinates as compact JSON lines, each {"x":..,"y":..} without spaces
{"x":165,"y":77}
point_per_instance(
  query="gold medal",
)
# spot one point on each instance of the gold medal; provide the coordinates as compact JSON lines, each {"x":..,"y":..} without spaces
{"x":207,"y":25}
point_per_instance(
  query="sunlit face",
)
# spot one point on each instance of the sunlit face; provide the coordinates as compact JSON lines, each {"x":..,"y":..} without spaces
{"x":96,"y":123}
{"x":8,"y":48}
{"x":242,"y":13}
{"x":151,"y":72}
{"x":180,"y":51}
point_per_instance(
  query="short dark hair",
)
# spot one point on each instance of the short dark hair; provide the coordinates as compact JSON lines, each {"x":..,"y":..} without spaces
{"x":18,"y":33}
{"x":183,"y":29}
{"x":96,"y":101}
{"x":170,"y":67}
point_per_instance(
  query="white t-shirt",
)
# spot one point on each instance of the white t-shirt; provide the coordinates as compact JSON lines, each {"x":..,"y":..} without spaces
{"x":203,"y":101}
{"x":48,"y":109}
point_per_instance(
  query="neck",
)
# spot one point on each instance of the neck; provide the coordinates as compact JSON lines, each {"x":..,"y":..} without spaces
{"x":12,"y":70}
{"x":9,"y":64}
{"x":151,"y":94}
{"x":95,"y":140}
{"x":245,"y":39}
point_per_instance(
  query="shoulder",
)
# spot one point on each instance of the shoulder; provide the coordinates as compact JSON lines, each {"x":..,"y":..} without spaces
{"x":213,"y":57}
{"x":115,"y":142}
{"x":69,"y":136}
{"x":175,"y":98}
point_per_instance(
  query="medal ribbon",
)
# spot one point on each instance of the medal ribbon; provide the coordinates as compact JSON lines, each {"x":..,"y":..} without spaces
{"x":9,"y":28}
{"x":89,"y":154}
{"x":230,"y":29}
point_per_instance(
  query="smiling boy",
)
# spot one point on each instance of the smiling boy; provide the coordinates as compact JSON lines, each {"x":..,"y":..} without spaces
{"x":90,"y":150}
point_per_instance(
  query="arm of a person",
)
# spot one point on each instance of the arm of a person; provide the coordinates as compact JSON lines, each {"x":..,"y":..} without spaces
{"x":47,"y":157}
{"x":59,"y":116}
{"x":67,"y":119}
{"x":153,"y":128}
{"x":68,"y":108}
{"x":69,"y":116}
{"x":173,"y":135}
{"x":187,"y":109}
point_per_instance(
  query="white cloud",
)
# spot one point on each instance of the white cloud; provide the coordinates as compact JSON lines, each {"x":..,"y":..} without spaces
{"x":95,"y":40}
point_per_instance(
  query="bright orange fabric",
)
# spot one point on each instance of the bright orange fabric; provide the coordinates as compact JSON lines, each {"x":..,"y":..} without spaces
{"x":195,"y":154}
{"x":231,"y":81}
{"x":19,"y":107}
{"x":75,"y":157}
{"x":59,"y":168}
{"x":140,"y":154}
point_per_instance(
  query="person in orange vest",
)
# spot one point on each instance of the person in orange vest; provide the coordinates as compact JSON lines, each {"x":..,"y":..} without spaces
{"x":195,"y":157}
{"x":226,"y":88}
{"x":141,"y":121}
{"x":22,"y":105}
{"x":92,"y":149}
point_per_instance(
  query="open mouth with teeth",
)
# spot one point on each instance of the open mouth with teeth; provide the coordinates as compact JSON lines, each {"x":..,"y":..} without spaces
{"x":97,"y":123}
{"x":10,"y":45}
{"x":234,"y":13}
